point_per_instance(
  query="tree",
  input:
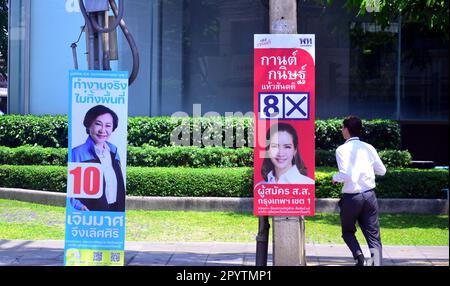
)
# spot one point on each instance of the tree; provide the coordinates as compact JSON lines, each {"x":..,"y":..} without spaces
{"x":433,"y":14}
{"x":4,"y":36}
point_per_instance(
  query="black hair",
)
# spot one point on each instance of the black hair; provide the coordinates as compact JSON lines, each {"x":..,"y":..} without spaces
{"x":353,"y":125}
{"x":297,"y":160}
{"x":96,"y":111}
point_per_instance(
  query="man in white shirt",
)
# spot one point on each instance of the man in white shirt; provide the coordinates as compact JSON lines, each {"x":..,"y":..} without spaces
{"x":358,"y":163}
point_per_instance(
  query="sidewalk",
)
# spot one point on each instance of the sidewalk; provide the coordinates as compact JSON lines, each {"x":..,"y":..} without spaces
{"x":50,"y":253}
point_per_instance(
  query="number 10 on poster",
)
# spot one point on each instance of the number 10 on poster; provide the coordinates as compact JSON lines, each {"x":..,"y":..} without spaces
{"x":85,"y":180}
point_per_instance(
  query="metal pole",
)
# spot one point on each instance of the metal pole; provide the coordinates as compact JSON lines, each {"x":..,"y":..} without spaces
{"x":262,"y":241}
{"x":106,"y":48}
{"x":74,"y":55}
{"x":91,"y":38}
{"x":99,"y":17}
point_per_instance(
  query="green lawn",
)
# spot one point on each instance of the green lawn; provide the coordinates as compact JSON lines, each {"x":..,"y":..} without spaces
{"x":20,"y":220}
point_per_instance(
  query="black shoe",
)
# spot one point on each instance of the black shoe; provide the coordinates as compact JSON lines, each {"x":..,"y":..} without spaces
{"x":359,"y":260}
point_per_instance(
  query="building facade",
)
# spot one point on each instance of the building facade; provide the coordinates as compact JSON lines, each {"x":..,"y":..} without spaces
{"x":201,"y":52}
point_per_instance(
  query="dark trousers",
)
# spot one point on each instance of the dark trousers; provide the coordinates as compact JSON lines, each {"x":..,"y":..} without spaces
{"x":361,"y":208}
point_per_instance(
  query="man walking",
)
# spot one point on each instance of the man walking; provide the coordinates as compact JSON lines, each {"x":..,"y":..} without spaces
{"x":358,"y":162}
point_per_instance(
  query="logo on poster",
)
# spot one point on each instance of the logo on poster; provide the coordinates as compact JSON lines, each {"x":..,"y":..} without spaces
{"x":264,"y":42}
{"x":305,"y":41}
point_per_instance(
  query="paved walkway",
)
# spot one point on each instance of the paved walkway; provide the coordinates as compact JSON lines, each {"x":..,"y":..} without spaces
{"x":50,"y":253}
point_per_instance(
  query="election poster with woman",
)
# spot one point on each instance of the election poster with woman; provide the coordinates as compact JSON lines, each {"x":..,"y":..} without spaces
{"x":96,"y":178}
{"x":284,"y":97}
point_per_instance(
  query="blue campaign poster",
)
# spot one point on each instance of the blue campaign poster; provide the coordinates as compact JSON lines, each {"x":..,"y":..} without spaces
{"x":96,"y":178}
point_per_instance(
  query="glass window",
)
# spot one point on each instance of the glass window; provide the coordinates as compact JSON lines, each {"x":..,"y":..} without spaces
{"x":207,"y":54}
{"x":138,"y":16}
{"x":424,"y":70}
{"x":201,"y":52}
{"x":373,"y":69}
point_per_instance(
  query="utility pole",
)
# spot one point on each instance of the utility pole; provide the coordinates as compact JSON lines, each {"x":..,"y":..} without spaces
{"x":101,"y":35}
{"x":288,"y":232}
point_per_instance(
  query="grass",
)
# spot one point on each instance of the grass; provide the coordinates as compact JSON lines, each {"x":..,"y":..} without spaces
{"x":21,"y":220}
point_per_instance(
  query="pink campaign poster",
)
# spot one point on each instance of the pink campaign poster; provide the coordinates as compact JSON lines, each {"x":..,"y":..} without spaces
{"x":284,"y":93}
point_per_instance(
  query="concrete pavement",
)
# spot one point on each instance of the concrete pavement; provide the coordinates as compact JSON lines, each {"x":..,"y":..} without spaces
{"x":50,"y":253}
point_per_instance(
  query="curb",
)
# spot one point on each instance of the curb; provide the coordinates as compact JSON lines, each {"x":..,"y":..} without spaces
{"x":327,"y":205}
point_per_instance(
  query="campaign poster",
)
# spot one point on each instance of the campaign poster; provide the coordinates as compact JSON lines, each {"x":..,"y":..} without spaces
{"x":284,"y":93}
{"x":97,"y":150}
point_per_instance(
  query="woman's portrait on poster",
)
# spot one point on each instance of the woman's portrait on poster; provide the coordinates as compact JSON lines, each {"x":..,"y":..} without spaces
{"x":100,"y":122}
{"x":283,"y":163}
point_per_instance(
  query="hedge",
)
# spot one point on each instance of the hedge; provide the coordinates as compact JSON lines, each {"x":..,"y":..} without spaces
{"x":148,"y":156}
{"x":382,"y":134}
{"x":33,"y":155}
{"x":51,"y":131}
{"x":224,"y":182}
{"x":390,"y":158}
{"x":46,"y":131}
{"x":189,"y":157}
{"x":396,"y":183}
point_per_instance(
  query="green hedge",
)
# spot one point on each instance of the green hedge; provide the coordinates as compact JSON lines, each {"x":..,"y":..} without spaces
{"x":189,"y":157}
{"x":148,"y":156}
{"x":51,"y":131}
{"x":390,"y":158}
{"x":46,"y":131}
{"x":192,"y":182}
{"x":395,"y":158}
{"x":382,"y":134}
{"x":220,"y":182}
{"x":33,"y":155}
{"x":224,"y":182}
{"x":396,"y":183}
{"x":45,"y":178}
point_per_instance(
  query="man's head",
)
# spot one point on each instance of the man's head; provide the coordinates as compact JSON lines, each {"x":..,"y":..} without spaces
{"x":352,"y":127}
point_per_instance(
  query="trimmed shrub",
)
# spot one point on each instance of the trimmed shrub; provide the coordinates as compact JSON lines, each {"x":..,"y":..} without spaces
{"x":45,"y":131}
{"x":390,"y":158}
{"x":328,"y":134}
{"x":212,"y":182}
{"x":234,"y":132}
{"x":220,"y":182}
{"x":325,"y":158}
{"x":154,"y":131}
{"x":195,"y":157}
{"x":382,"y":134}
{"x":396,"y":183}
{"x":33,"y":155}
{"x":395,"y":158}
{"x":45,"y":178}
{"x":413,"y":183}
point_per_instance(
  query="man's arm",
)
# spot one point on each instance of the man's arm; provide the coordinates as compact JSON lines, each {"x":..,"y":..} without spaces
{"x":342,"y":162}
{"x":378,"y":166}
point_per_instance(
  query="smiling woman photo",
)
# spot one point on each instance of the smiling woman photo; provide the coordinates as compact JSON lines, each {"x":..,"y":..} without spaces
{"x":283,"y":163}
{"x":100,"y":123}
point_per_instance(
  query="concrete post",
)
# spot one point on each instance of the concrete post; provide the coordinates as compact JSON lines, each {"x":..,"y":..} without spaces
{"x":288,"y":232}
{"x":283,"y":16}
{"x":288,"y":241}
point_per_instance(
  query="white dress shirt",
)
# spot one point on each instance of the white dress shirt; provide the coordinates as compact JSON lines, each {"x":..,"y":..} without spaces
{"x":292,"y":176}
{"x":108,"y":173}
{"x":358,"y":162}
